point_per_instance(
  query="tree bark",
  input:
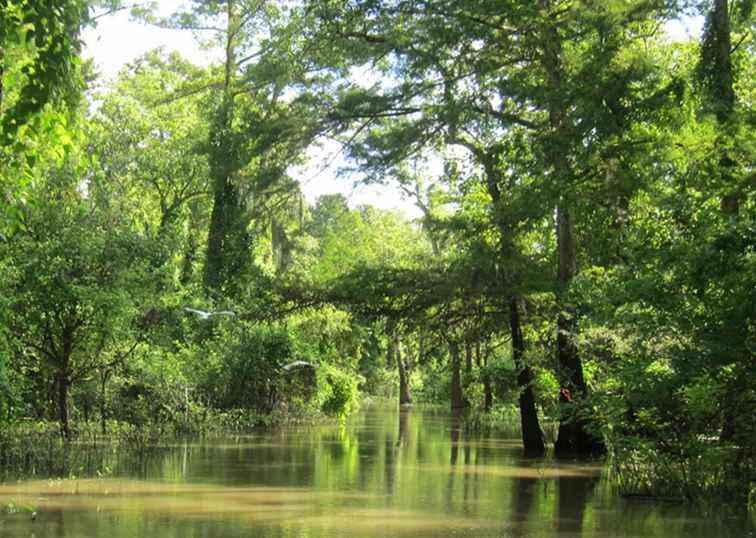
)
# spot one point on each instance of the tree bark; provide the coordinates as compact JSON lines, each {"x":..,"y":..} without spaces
{"x":2,"y":74}
{"x":103,"y":407}
{"x":457,"y":399}
{"x":404,"y":393}
{"x":226,"y":242}
{"x":63,"y":385}
{"x":63,"y":379}
{"x":532,"y":435}
{"x":468,"y":357}
{"x":482,"y":360}
{"x":190,"y":249}
{"x":718,"y":33}
{"x":724,"y":99}
{"x":573,"y":438}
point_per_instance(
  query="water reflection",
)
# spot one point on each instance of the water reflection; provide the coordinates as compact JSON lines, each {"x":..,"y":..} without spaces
{"x":404,"y":414}
{"x":524,"y":491}
{"x":573,"y":495}
{"x":386,"y":473}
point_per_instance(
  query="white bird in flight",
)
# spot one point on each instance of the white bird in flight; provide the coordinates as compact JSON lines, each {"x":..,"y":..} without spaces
{"x":201,"y":314}
{"x":298,"y":364}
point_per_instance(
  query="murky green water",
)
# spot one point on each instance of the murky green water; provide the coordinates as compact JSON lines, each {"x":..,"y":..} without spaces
{"x":384,"y":474}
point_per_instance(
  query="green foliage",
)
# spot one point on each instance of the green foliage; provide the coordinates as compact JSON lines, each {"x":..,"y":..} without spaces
{"x":697,"y":469}
{"x":243,"y":368}
{"x":338,"y":391}
{"x":39,"y":86}
{"x":41,"y":40}
{"x":149,"y":147}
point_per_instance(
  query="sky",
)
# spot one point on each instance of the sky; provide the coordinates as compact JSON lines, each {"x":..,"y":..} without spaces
{"x":117,"y":40}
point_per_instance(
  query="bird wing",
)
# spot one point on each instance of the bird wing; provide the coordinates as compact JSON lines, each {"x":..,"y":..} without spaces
{"x":298,"y":364}
{"x":194,"y":311}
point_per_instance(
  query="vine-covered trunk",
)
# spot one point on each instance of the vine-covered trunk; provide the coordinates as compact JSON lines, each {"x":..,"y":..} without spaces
{"x":487,"y":394}
{"x":228,"y":240}
{"x":532,"y":435}
{"x":280,"y":246}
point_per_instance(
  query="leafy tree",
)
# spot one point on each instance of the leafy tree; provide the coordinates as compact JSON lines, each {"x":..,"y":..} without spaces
{"x":39,"y":51}
{"x":150,"y":153}
{"x":256,"y":130}
{"x":39,"y":82}
{"x":73,"y":280}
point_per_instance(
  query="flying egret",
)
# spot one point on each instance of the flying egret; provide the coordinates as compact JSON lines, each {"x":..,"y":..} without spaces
{"x":201,"y":314}
{"x":299,"y":364}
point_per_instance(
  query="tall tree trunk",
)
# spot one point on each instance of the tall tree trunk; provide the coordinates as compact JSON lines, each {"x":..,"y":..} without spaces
{"x":187,"y":264}
{"x":2,"y":73}
{"x":717,"y":36}
{"x":190,"y":249}
{"x":223,"y":194}
{"x":468,"y":357}
{"x":487,"y":392}
{"x":573,"y":438}
{"x":715,"y":71}
{"x":227,"y":241}
{"x":457,"y":399}
{"x":63,"y":385}
{"x":63,"y":379}
{"x":715,"y":68}
{"x":104,"y":376}
{"x":280,"y":246}
{"x":481,"y":359}
{"x":717,"y":56}
{"x":532,"y":436}
{"x":404,"y":393}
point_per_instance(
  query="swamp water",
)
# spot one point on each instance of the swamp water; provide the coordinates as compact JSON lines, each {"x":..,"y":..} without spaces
{"x":384,"y":473}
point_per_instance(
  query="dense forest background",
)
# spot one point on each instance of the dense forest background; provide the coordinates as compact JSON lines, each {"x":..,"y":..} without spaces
{"x":585,"y":255}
